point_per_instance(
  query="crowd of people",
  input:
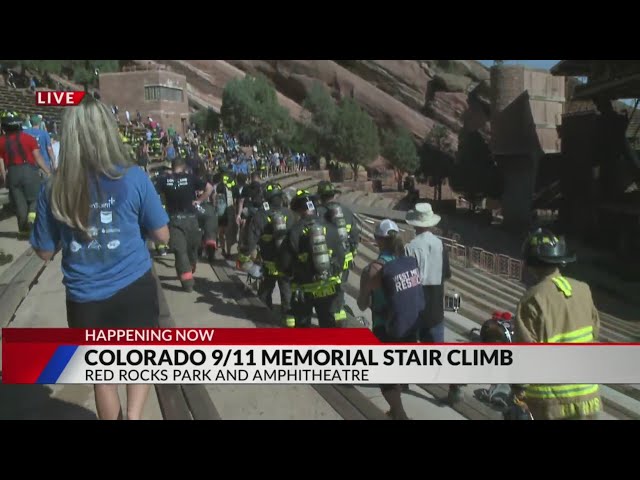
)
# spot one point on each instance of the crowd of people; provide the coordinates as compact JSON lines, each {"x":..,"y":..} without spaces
{"x":150,"y":141}
{"x":305,"y":243}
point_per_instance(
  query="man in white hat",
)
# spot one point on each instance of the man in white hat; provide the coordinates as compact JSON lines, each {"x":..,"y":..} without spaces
{"x":434,"y":270}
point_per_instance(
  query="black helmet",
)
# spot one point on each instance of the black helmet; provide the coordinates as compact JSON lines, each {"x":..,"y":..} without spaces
{"x":327,"y":189}
{"x":303,"y":201}
{"x":11,"y":124}
{"x":272,"y":190}
{"x":542,"y":247}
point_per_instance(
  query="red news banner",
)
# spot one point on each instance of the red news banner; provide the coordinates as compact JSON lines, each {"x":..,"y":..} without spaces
{"x":48,"y":98}
{"x":288,"y":356}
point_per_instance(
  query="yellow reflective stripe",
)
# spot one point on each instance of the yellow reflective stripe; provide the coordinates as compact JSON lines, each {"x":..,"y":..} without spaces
{"x":582,"y":335}
{"x":563,"y":285}
{"x":271,"y":268}
{"x":308,"y":287}
{"x":243,"y":258}
{"x":348,"y":258}
{"x":269,"y":219}
{"x":31,"y":216}
{"x":544,"y":240}
{"x":560,"y":391}
{"x":348,"y":228}
{"x":266,"y":237}
{"x":290,"y":322}
{"x":341,"y":315}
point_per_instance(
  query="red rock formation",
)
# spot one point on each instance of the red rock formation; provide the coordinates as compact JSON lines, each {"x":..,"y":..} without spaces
{"x":415,"y":94}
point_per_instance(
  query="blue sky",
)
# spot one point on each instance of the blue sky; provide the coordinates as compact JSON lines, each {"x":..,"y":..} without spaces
{"x":530,"y":63}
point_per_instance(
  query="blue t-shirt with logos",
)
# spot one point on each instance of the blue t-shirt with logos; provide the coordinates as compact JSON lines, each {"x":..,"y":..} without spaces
{"x":121,"y":212}
{"x":44,"y":141}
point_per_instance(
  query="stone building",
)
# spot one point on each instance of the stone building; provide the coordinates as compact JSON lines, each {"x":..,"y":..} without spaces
{"x":154,"y":92}
{"x":526,"y":109}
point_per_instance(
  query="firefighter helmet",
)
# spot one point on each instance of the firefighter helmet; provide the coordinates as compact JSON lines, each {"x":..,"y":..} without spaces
{"x":303,"y":201}
{"x":542,"y":247}
{"x":11,"y":123}
{"x":272,"y":190}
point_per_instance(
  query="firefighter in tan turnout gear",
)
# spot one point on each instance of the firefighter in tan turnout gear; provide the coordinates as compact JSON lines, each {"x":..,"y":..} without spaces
{"x":556,"y":309}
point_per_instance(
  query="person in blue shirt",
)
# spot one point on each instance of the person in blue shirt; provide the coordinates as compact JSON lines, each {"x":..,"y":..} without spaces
{"x":96,"y":211}
{"x":43,"y":138}
{"x":171,"y":152}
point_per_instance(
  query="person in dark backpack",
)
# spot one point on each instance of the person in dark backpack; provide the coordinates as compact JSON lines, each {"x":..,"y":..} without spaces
{"x":207,"y":218}
{"x":222,"y":199}
{"x":249,"y":198}
{"x":312,"y":255}
{"x":391,"y":287}
{"x":250,"y":202}
{"x":266,"y":232}
{"x":344,"y":219}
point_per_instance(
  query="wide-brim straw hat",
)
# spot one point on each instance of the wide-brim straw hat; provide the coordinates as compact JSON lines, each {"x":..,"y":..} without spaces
{"x":422,"y":216}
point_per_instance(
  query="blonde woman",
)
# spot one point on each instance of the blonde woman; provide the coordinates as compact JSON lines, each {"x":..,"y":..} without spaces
{"x":96,"y":209}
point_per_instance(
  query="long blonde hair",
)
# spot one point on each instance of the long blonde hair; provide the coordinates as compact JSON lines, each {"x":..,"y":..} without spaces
{"x":90,"y":146}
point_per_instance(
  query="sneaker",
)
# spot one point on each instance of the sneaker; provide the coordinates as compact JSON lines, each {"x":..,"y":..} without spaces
{"x":390,"y":416}
{"x":211,"y":254}
{"x":187,"y":285}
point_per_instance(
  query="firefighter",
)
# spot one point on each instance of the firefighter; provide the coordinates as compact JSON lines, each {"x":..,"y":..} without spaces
{"x":20,"y":171}
{"x":249,"y":200}
{"x":556,"y":309}
{"x":343,"y":218}
{"x":313,"y":255}
{"x":222,"y":200}
{"x":266,"y":231}
{"x":207,"y":218}
{"x":161,"y":248}
{"x":179,"y":190}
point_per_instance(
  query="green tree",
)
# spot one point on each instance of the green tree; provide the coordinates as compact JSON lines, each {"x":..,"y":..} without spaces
{"x":323,"y":111}
{"x":303,"y":140}
{"x":436,"y":158}
{"x":313,"y":134}
{"x":206,"y":119}
{"x":475,"y":174}
{"x":355,"y":136}
{"x":85,"y":72}
{"x":250,"y":110}
{"x":399,"y":148}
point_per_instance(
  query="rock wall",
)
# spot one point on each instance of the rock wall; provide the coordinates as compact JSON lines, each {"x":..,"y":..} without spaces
{"x":415,"y":94}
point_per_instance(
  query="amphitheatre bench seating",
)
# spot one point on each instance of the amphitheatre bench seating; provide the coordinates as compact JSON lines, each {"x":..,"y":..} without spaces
{"x":23,"y":102}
